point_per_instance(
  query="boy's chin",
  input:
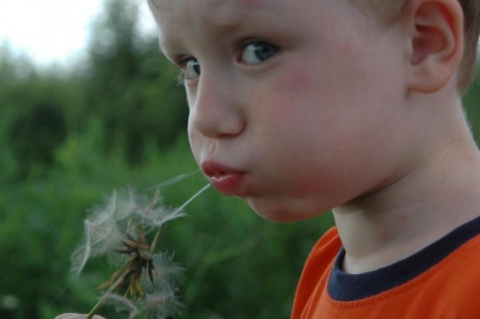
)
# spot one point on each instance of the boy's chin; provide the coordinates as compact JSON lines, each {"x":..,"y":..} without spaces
{"x":281,"y":212}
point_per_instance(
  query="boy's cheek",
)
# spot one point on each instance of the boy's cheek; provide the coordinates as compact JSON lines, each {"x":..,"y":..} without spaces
{"x":193,"y":141}
{"x":294,"y":79}
{"x":249,"y":2}
{"x":283,"y":93}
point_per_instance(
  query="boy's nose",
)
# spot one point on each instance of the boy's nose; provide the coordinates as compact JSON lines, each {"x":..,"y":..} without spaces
{"x":215,"y":112}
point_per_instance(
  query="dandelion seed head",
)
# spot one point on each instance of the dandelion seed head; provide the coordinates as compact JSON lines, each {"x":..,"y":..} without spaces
{"x":118,"y":229}
{"x":123,"y":304}
{"x":160,"y":298}
{"x":117,"y":260}
{"x":161,"y":306}
{"x":167,"y":275}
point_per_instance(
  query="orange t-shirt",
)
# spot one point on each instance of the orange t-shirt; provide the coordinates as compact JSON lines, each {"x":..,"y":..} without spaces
{"x":440,"y":281}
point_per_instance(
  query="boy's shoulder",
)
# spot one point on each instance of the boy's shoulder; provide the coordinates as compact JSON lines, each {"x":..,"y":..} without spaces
{"x":444,"y":276}
{"x":316,"y":269}
{"x":323,"y":255}
{"x":459,"y":246}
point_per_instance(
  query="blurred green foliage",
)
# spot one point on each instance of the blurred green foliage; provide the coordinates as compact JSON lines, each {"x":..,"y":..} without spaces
{"x":70,"y":137}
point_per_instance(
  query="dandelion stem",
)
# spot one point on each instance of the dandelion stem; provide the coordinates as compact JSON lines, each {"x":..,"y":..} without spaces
{"x":110,"y":290}
{"x":192,"y":198}
{"x":188,"y":201}
{"x":155,"y":239}
{"x":174,"y":180}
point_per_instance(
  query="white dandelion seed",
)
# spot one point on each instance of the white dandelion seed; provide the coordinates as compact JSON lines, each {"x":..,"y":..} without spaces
{"x":119,"y":229}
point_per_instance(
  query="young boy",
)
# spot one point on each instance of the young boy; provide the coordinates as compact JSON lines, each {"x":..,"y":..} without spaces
{"x":300,"y":107}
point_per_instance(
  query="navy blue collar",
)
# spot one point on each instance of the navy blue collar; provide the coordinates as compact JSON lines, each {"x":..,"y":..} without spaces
{"x":347,"y":287}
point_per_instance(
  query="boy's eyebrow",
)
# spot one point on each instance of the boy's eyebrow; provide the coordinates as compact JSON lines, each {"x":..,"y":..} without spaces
{"x":223,"y":16}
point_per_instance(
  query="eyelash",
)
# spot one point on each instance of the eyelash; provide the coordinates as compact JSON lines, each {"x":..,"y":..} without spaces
{"x":183,"y":61}
{"x":266,"y":45}
{"x":181,"y":76}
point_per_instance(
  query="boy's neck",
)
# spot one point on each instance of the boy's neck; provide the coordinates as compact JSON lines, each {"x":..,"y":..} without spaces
{"x":417,"y":209}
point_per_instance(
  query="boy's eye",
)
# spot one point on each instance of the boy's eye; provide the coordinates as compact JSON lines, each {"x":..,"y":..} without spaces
{"x":257,"y":52}
{"x":192,"y":69}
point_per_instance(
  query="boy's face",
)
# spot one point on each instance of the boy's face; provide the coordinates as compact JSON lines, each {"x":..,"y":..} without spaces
{"x":294,"y":105}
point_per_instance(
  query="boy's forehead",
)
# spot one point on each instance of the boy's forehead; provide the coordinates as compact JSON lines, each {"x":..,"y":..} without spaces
{"x":211,"y":6}
{"x":215,"y":12}
{"x":174,"y":15}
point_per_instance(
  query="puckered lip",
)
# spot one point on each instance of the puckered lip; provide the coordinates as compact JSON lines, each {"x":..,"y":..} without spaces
{"x":227,"y":180}
{"x":213,"y":169}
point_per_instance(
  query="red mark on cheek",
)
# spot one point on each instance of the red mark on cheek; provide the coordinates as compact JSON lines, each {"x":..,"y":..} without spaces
{"x":293,"y":80}
{"x":347,"y":48}
{"x":285,"y":89}
{"x":383,"y":236}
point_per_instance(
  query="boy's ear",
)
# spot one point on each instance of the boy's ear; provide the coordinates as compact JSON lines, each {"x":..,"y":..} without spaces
{"x":436,"y":39}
